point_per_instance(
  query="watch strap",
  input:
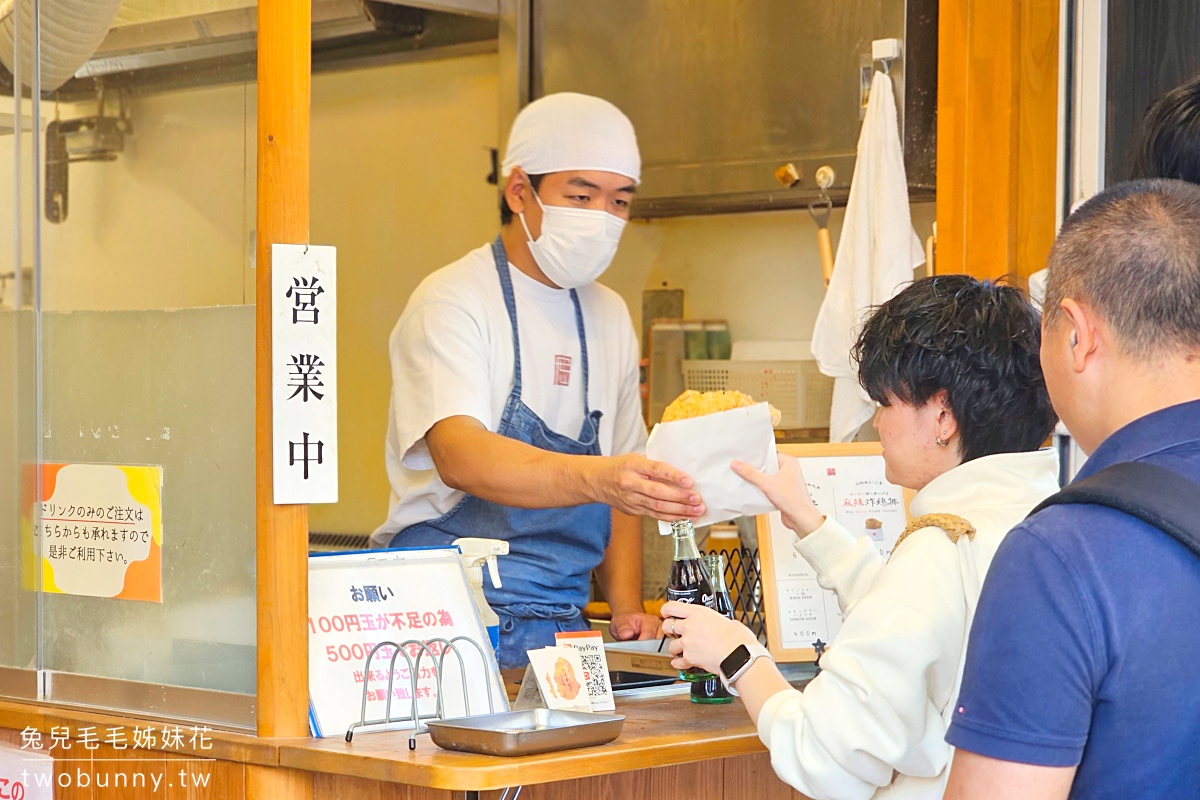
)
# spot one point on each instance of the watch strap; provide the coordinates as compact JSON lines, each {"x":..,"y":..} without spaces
{"x":757,"y":651}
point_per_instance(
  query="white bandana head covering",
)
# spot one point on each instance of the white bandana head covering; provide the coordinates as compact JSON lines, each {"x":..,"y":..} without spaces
{"x":570,"y":131}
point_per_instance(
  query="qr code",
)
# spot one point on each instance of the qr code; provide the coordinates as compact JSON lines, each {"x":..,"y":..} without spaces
{"x":593,"y":672}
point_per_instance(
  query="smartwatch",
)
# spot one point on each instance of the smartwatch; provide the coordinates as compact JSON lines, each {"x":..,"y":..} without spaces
{"x":737,"y":663}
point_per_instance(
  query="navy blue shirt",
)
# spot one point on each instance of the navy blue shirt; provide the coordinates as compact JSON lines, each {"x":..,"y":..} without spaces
{"x":1085,"y":648}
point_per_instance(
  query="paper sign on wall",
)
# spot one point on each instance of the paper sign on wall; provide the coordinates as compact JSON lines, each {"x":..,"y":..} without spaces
{"x":853,"y":491}
{"x":304,"y":373}
{"x":25,"y":775}
{"x":101,"y":530}
{"x":358,"y":600}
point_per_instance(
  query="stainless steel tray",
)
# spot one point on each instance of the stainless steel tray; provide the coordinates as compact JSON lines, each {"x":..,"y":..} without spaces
{"x":523,"y":733}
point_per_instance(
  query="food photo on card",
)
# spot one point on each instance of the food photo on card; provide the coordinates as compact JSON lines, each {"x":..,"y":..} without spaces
{"x":590,"y":646}
{"x":705,"y":443}
{"x":559,"y":672}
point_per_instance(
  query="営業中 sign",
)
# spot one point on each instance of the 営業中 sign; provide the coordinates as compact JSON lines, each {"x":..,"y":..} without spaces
{"x":304,"y":373}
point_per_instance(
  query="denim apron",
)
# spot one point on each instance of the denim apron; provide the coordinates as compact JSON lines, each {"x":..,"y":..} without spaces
{"x":552,"y":551}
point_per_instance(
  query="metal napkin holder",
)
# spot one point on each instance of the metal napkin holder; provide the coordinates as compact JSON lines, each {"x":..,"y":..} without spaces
{"x":414,"y":717}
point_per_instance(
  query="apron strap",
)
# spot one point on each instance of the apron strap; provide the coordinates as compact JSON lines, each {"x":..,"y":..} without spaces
{"x":583,"y":353}
{"x":510,"y":304}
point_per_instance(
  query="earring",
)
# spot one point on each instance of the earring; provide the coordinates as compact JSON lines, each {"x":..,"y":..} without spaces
{"x":940,"y":442}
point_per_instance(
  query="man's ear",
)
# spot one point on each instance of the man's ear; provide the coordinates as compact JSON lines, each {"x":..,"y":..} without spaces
{"x":947,"y":424}
{"x":514,"y":190}
{"x":1085,"y":336}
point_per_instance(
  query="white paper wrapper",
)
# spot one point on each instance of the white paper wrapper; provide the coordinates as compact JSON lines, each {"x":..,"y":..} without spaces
{"x":704,"y":446}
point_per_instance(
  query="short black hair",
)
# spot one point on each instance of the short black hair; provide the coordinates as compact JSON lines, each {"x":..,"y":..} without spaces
{"x":977,"y":340}
{"x":1168,"y":140}
{"x":1132,"y":253}
{"x":506,"y":213}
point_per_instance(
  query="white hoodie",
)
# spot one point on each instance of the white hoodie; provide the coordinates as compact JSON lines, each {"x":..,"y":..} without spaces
{"x":873,"y":723}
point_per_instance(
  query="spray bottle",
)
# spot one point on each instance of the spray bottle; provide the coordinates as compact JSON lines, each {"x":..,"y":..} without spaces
{"x":475,"y":553}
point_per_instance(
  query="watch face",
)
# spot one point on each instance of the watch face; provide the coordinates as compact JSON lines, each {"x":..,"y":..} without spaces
{"x":735,"y":661}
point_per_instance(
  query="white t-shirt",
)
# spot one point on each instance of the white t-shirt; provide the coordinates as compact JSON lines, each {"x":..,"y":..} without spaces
{"x":452,"y":355}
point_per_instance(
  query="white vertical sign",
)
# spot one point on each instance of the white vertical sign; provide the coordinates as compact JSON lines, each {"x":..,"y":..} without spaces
{"x":304,"y":373}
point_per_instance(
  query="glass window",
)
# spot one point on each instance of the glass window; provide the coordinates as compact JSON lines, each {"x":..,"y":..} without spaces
{"x":135,"y":212}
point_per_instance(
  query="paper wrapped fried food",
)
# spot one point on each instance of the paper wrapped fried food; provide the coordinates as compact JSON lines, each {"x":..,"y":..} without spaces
{"x":698,"y":404}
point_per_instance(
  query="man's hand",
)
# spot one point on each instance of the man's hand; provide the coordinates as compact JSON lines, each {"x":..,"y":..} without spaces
{"x":637,"y":486}
{"x":472,"y":459}
{"x":787,"y":491}
{"x":635,"y":626}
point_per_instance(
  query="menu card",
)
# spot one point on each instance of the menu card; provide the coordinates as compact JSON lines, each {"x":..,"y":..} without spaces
{"x":853,"y":491}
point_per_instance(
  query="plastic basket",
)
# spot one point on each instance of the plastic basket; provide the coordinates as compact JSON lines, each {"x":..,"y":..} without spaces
{"x":797,"y":388}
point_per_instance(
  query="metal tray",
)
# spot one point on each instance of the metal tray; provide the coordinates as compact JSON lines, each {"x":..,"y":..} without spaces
{"x":523,"y":733}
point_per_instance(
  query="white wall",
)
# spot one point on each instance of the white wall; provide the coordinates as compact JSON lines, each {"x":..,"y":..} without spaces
{"x":760,"y":271}
{"x":166,"y":225}
{"x":400,"y":158}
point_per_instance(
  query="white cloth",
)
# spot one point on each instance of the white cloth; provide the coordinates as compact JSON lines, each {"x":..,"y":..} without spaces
{"x":570,"y":131}
{"x":881,"y":705}
{"x":876,"y":256}
{"x":1037,"y":288}
{"x":452,"y":355}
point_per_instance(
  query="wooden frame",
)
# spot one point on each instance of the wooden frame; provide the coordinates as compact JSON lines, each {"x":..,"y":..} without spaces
{"x":284,"y":75}
{"x":281,"y":216}
{"x":766,"y":551}
{"x":997,"y":136}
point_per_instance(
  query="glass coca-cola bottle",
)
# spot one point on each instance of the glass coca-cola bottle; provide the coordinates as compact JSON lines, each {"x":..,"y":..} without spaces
{"x":689,"y":582}
{"x":712,"y":690}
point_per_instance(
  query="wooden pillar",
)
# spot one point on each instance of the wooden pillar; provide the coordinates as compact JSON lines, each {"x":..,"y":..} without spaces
{"x":284,"y":73}
{"x":997,"y":135}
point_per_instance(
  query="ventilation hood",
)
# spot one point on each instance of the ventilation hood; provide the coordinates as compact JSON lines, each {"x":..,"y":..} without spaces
{"x":170,"y":44}
{"x":723,"y":93}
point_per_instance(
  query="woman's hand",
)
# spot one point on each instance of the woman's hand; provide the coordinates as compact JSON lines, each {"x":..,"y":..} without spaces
{"x":703,"y":638}
{"x":787,"y":491}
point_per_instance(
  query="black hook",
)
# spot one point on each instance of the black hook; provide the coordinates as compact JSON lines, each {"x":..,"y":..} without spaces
{"x":494,"y":176}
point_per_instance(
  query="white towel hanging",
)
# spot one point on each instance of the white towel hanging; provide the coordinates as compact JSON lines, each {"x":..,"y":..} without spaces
{"x":876,"y":256}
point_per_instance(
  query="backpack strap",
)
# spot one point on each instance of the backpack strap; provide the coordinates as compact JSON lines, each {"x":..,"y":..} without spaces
{"x":1156,"y":495}
{"x":955,"y":527}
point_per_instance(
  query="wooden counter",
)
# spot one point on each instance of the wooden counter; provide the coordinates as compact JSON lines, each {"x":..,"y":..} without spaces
{"x":669,"y":748}
{"x":658,"y":732}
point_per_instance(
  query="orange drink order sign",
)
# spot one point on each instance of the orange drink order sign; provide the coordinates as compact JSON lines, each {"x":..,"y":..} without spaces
{"x":99,"y":532}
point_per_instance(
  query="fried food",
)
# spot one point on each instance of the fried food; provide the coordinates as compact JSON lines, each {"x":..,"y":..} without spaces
{"x":565,"y":682}
{"x":698,"y":404}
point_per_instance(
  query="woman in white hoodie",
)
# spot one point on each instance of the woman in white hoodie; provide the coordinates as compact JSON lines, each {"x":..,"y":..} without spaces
{"x":953,"y":364}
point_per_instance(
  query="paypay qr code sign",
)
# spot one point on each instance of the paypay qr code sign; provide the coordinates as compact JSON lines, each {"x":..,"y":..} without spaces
{"x":590,"y":646}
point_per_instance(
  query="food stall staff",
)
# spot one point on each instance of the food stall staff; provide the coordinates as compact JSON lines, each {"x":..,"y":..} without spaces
{"x":515,"y":409}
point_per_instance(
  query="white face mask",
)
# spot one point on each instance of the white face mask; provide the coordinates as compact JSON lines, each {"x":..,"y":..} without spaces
{"x":576,"y":245}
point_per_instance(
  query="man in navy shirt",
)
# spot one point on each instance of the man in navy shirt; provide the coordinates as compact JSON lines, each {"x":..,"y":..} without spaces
{"x":1081,"y":668}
